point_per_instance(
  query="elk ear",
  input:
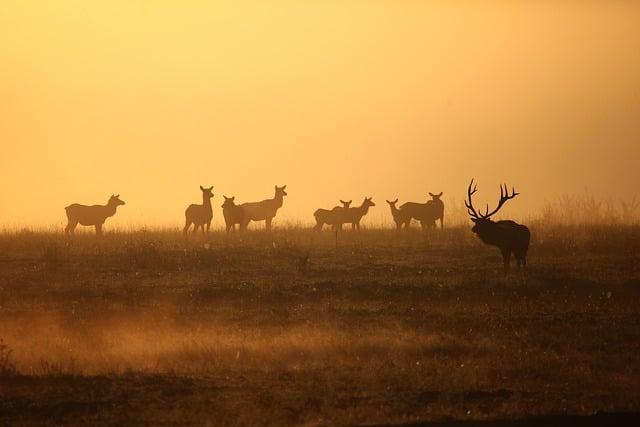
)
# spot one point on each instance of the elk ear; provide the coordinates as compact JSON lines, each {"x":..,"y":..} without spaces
{"x":117,"y":195}
{"x":284,"y":186}
{"x":201,"y":188}
{"x":431,"y":194}
{"x":225,"y":197}
{"x":211,"y":188}
{"x":233,"y":197}
{"x":440,"y":195}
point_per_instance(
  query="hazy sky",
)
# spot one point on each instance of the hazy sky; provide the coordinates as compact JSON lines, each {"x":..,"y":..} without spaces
{"x":341,"y":99}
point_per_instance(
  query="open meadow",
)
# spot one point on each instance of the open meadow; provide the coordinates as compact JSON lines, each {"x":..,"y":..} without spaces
{"x":292,"y":327}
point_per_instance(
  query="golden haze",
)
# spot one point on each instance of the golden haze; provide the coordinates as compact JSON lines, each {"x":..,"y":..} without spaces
{"x":344,"y":99}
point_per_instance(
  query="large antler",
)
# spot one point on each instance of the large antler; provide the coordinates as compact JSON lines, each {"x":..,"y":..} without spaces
{"x":504,"y":197}
{"x":468,"y":203}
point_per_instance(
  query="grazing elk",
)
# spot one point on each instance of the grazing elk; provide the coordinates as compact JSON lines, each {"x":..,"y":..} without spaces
{"x":263,"y":211}
{"x":354,"y":215}
{"x":200,"y":215}
{"x":330,"y":216}
{"x":232,"y":213}
{"x":506,"y":235}
{"x":400,"y":217}
{"x":94,"y":215}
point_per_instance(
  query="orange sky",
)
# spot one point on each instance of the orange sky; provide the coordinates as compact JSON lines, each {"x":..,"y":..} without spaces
{"x":340,"y":99}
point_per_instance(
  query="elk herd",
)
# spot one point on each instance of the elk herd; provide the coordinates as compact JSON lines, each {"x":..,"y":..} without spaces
{"x":508,"y":236}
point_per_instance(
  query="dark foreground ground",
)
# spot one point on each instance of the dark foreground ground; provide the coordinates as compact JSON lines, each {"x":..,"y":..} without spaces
{"x":285,"y":328}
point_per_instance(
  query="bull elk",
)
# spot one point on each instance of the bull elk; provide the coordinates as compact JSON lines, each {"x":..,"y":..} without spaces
{"x":94,"y":215}
{"x":508,"y":236}
{"x":264,"y":210}
{"x":200,"y":215}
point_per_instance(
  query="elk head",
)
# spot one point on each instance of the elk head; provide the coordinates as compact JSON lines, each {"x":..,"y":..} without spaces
{"x":346,"y":204}
{"x":228,"y":201}
{"x":114,"y":200}
{"x":483,"y":221}
{"x":368,"y":202}
{"x":280,"y":191}
{"x":392,"y":203}
{"x":435,"y":196}
{"x":207,"y":192}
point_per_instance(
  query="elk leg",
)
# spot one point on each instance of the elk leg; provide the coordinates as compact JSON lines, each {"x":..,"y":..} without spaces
{"x":71,"y":227}
{"x":99,"y":229}
{"x":208,"y":226}
{"x":185,"y":230}
{"x":267,"y":224}
{"x":442,"y":222}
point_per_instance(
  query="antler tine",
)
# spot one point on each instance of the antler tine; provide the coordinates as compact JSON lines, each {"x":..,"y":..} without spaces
{"x":504,"y":197}
{"x":469,"y":203}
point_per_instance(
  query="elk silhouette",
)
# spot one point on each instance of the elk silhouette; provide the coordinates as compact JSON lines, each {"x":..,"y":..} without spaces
{"x":508,"y":236}
{"x":353,"y":216}
{"x":232,"y":213}
{"x":400,"y":216}
{"x":435,"y":208}
{"x":94,"y":215}
{"x":264,"y":210}
{"x":330,"y":216}
{"x":426,"y":213}
{"x":200,"y":215}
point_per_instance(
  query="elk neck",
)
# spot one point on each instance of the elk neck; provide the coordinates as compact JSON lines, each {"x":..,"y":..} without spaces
{"x":278,"y":199}
{"x":206,"y":201}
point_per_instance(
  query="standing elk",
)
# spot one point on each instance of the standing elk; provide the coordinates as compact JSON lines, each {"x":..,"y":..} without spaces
{"x":400,"y":216}
{"x":200,"y":215}
{"x":232,"y":213}
{"x":353,"y":216}
{"x":94,"y":215}
{"x":264,"y":210}
{"x":426,"y":213}
{"x":508,"y":236}
{"x":436,"y":209}
{"x":330,"y":216}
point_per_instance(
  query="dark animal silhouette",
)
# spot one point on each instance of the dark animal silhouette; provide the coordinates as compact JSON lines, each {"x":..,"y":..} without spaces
{"x":508,"y":236}
{"x":330,"y":216}
{"x":94,"y":215}
{"x":200,"y":215}
{"x":435,"y":208}
{"x":263,"y":211}
{"x":232,"y":213}
{"x":353,"y":216}
{"x":422,"y":212}
{"x":400,"y":217}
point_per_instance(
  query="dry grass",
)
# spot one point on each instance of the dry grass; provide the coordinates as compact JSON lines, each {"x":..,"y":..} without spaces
{"x":288,"y":328}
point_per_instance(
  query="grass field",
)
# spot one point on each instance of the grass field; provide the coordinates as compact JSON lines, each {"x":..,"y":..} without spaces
{"x":292,"y":327}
